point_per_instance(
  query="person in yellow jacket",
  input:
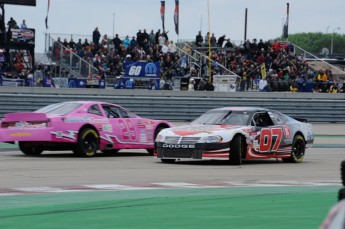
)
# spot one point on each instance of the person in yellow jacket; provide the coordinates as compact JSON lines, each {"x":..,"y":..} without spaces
{"x":293,"y":87}
{"x":333,"y":88}
{"x":322,"y":76}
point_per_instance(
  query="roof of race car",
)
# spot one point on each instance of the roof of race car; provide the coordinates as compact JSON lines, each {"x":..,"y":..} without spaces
{"x":251,"y":109}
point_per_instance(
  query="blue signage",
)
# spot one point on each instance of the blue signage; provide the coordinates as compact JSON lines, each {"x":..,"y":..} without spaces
{"x":124,"y":83}
{"x":86,"y":83}
{"x":48,"y":82}
{"x":142,"y":69}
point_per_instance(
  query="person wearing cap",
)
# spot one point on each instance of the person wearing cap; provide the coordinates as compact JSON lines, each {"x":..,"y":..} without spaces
{"x":191,"y":84}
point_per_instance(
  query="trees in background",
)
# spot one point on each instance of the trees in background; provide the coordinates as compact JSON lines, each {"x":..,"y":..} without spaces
{"x":315,"y":42}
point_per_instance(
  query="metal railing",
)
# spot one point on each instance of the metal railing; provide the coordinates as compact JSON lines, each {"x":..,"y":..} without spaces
{"x":311,"y":58}
{"x":71,"y":64}
{"x":202,"y":60}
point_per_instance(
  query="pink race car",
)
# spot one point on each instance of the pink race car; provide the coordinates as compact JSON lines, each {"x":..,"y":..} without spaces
{"x":80,"y":126}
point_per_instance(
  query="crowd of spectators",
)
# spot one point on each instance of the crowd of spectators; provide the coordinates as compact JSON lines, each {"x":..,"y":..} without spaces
{"x":109,"y":55}
{"x":284,"y":69}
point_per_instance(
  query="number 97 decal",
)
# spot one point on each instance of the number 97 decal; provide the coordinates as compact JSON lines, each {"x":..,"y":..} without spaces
{"x":266,"y":140}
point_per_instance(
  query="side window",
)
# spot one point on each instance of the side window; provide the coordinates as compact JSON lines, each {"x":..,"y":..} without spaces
{"x":261,"y":120}
{"x":111,"y":112}
{"x":277,"y":118}
{"x":123,"y":113}
{"x":95,"y":110}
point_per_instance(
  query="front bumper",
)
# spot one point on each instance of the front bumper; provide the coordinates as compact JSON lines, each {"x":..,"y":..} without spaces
{"x":197,"y":151}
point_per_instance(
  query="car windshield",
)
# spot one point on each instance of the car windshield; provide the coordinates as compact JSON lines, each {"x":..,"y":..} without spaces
{"x":218,"y":117}
{"x":59,"y":108}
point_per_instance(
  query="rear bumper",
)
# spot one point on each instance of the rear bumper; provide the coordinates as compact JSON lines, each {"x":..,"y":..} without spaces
{"x":13,"y":135}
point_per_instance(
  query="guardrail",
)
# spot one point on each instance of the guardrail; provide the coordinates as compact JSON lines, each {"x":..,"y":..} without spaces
{"x":180,"y":105}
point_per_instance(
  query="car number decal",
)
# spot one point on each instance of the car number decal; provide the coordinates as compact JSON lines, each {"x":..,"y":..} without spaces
{"x":127,"y":130}
{"x":266,"y":137}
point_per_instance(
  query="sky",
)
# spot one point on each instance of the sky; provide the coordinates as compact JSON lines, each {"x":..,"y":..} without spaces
{"x":221,"y":17}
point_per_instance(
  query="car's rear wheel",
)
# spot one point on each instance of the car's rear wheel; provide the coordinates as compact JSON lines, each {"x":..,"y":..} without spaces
{"x":298,"y":150}
{"x":29,"y":148}
{"x":88,"y":143}
{"x":237,"y":149}
{"x":152,"y":151}
{"x":168,"y":161}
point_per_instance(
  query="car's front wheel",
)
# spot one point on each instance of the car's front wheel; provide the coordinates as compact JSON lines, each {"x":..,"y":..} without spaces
{"x":29,"y":148}
{"x":88,"y":143}
{"x":237,"y":149}
{"x":168,"y":161}
{"x":298,"y":150}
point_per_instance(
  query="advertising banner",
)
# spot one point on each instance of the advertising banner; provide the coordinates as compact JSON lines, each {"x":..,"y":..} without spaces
{"x":23,"y":35}
{"x":142,"y":69}
{"x":86,"y":83}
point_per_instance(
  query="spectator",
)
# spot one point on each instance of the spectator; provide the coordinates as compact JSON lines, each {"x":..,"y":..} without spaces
{"x":213,"y":40}
{"x":126,"y":42}
{"x":23,"y":25}
{"x":72,"y":44}
{"x":151,"y":38}
{"x":158,"y":33}
{"x":220,"y":41}
{"x":11,"y":23}
{"x":104,"y":40}
{"x":161,"y":40}
{"x":228,"y":44}
{"x":133,"y":42}
{"x":333,"y":88}
{"x":199,"y":40}
{"x":293,"y":87}
{"x":117,"y":43}
{"x":207,"y":36}
{"x":191,"y":84}
{"x":172,"y":47}
{"x":262,"y":84}
{"x":96,"y":35}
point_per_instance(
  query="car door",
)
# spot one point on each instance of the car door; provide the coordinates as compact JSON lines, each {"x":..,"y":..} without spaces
{"x":267,"y":135}
{"x":124,"y":128}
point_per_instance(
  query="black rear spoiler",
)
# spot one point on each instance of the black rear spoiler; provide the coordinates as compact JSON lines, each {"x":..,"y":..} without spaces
{"x":300,"y":119}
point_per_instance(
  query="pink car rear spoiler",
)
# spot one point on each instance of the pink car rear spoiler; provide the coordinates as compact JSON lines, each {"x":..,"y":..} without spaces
{"x":25,"y":116}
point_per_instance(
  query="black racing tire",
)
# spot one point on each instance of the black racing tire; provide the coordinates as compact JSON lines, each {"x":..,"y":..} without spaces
{"x":88,"y":143}
{"x":159,"y":129}
{"x":28,"y":148}
{"x":343,"y":172}
{"x":151,"y":152}
{"x":298,"y":150}
{"x":341,"y":194}
{"x":237,"y":150}
{"x":168,"y":161}
{"x":110,"y":152}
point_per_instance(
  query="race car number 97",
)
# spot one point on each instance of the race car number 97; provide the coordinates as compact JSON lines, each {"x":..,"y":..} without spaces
{"x":266,"y":139}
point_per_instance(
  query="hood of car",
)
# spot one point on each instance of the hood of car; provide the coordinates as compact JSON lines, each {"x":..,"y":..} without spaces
{"x":201,"y":130}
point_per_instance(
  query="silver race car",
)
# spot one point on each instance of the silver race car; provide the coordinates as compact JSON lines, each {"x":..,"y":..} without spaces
{"x":237,"y":133}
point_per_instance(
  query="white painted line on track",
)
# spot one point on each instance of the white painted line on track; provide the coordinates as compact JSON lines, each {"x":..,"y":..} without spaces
{"x":160,"y":185}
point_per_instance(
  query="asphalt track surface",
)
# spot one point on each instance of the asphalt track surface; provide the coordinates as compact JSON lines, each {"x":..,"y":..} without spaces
{"x":133,"y":190}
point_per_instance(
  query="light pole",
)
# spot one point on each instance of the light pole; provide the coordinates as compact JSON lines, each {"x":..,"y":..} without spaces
{"x":338,"y":28}
{"x":114,"y":25}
